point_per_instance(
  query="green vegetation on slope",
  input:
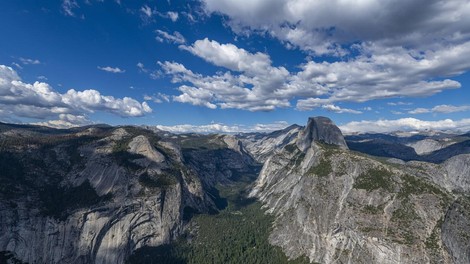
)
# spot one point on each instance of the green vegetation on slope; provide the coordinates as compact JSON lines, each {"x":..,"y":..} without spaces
{"x":291,"y":148}
{"x":329,"y":149}
{"x":432,"y":242}
{"x":415,"y":186}
{"x":238,"y":234}
{"x":39,"y":171}
{"x":375,"y":179}
{"x":162,"y":180}
{"x":208,"y":142}
{"x":322,"y":169}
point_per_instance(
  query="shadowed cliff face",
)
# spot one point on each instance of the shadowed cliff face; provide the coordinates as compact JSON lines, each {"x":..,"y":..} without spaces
{"x":428,"y":147}
{"x":320,"y":129}
{"x":96,"y":195}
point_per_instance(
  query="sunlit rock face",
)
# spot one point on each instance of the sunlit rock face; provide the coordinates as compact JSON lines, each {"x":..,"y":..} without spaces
{"x":338,"y":206}
{"x":427,"y":146}
{"x":263,"y":145}
{"x":95,"y":195}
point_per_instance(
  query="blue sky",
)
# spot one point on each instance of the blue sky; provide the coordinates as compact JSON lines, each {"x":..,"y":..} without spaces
{"x":232,"y":65}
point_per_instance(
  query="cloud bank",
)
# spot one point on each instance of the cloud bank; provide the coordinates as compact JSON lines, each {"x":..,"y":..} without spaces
{"x":223,"y":128}
{"x":40,"y":101}
{"x":251,"y":82}
{"x":405,"y":124}
{"x":326,"y":27}
{"x":441,"y":109}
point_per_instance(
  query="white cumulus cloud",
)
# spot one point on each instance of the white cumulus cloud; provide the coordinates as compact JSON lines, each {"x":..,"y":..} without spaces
{"x":224,"y":128}
{"x":111,"y":69}
{"x":66,"y":121}
{"x":322,"y":26}
{"x":405,"y":124}
{"x":441,"y":109}
{"x":173,"y":16}
{"x":339,"y":110}
{"x":27,"y":61}
{"x":380,"y":49}
{"x":250,"y":81}
{"x":68,"y":7}
{"x":175,"y":38}
{"x":40,"y":101}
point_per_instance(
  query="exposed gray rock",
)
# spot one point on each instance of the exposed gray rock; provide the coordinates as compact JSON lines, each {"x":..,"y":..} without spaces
{"x":141,"y":145}
{"x":106,"y":234}
{"x":427,"y":146}
{"x":456,"y":230}
{"x":448,"y":152}
{"x":453,"y":174}
{"x":148,"y":184}
{"x":320,"y":129}
{"x":336,"y":212}
{"x":337,"y":206}
{"x":458,"y":172}
{"x":330,"y":204}
{"x":263,"y":145}
{"x":118,"y":134}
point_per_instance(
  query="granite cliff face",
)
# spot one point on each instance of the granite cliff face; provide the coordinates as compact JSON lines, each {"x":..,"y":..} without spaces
{"x":263,"y":145}
{"x":338,"y":206}
{"x":96,"y":195}
{"x":428,"y":145}
{"x":320,"y":129}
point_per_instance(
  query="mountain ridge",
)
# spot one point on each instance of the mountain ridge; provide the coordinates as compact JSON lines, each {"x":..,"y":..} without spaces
{"x":338,"y":206}
{"x":329,"y":203}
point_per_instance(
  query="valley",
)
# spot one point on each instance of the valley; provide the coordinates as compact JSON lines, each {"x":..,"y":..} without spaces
{"x":237,"y":234}
{"x":235,"y":132}
{"x":104,"y":194}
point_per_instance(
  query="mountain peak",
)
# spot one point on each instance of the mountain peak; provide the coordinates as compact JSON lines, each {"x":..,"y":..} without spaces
{"x":321,"y":129}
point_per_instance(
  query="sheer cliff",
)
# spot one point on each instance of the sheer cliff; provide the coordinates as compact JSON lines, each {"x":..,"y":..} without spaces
{"x":339,"y":206}
{"x":97,"y":194}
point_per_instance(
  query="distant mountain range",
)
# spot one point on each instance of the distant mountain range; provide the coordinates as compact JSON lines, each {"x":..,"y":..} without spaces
{"x":434,"y":147}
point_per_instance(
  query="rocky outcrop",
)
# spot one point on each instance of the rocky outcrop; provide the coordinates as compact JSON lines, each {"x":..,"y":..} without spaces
{"x":452,"y":175}
{"x":455,"y":230}
{"x":262,"y":145}
{"x":102,"y":234}
{"x":337,"y":211}
{"x":140,"y":145}
{"x":112,"y":191}
{"x":429,"y":147}
{"x":320,"y":129}
{"x":426,"y":146}
{"x":448,"y":152}
{"x":219,"y":159}
{"x":384,"y":148}
{"x":337,"y":206}
{"x":457,"y":172}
